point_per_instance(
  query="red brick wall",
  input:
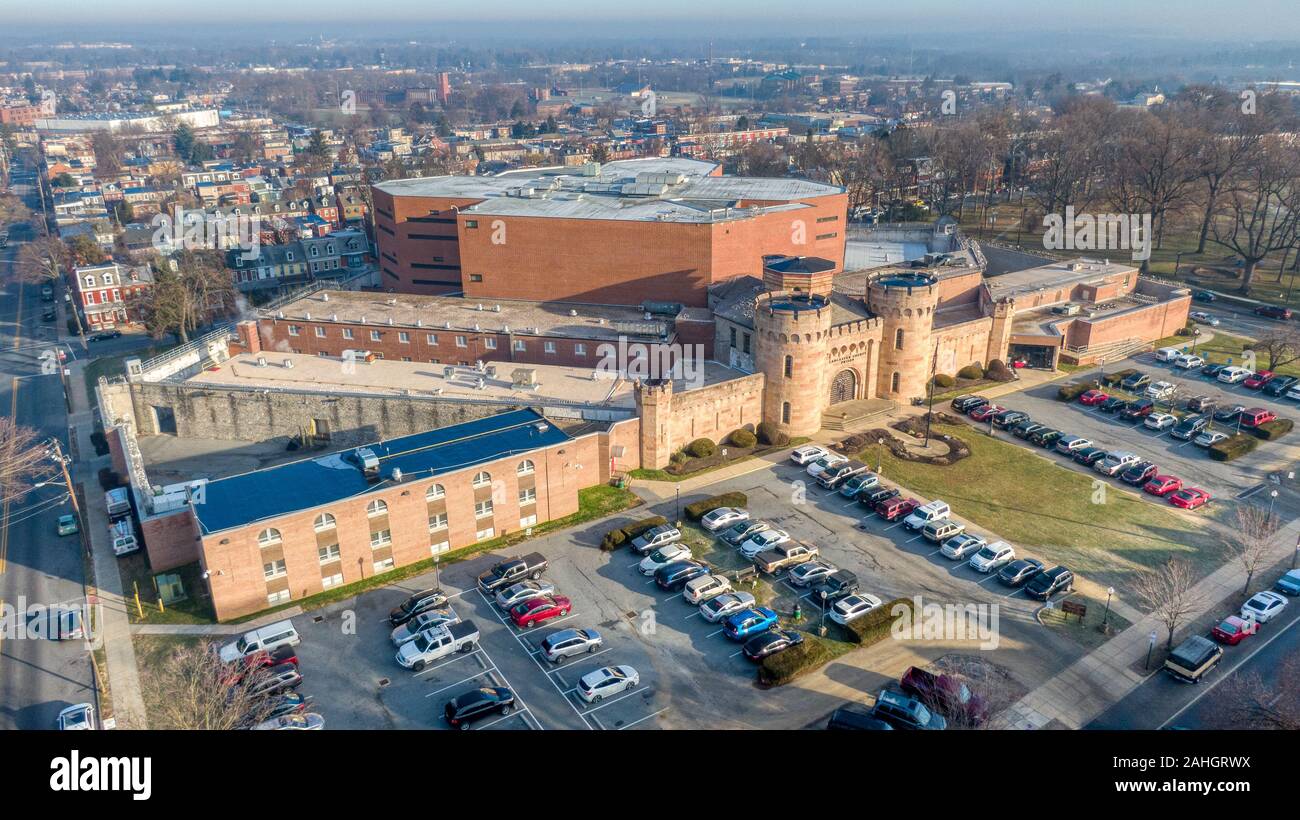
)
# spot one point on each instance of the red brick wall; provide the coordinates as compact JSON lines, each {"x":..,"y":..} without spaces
{"x":171,"y":540}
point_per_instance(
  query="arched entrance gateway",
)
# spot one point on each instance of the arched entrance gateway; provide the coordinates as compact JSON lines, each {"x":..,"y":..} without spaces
{"x":844,"y":387}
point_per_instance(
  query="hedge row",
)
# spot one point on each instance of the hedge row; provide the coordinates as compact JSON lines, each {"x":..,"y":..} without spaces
{"x":699,"y":509}
{"x":944,"y":380}
{"x":701,"y":448}
{"x":1233,"y":447}
{"x":1072,"y":392}
{"x":998,"y":371}
{"x":1270,"y":430}
{"x":874,"y":627}
{"x":1118,"y":376}
{"x":814,"y":652}
{"x":971,"y":371}
{"x":617,"y":538}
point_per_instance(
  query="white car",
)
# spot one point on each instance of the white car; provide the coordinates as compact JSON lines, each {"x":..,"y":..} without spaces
{"x":663,"y":556}
{"x":1263,"y":607}
{"x":1201,"y":317}
{"x":699,"y":590}
{"x":1160,"y":390}
{"x":826,"y":462}
{"x":960,"y":547}
{"x":764,"y":540}
{"x":852,"y":607}
{"x":1233,"y":375}
{"x":810,"y":572}
{"x":723,"y":517}
{"x":78,"y":717}
{"x":1189,"y":361}
{"x":1208,"y":438}
{"x":1159,"y":421}
{"x":425,"y":620}
{"x":304,"y":720}
{"x":725,"y":605}
{"x":607,"y":682}
{"x":522,"y":591}
{"x":1294,"y":393}
{"x":1168,"y":354}
{"x":992,"y":556}
{"x":805,"y":455}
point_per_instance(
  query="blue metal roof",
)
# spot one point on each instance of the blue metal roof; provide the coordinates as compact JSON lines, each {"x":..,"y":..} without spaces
{"x":243,"y":499}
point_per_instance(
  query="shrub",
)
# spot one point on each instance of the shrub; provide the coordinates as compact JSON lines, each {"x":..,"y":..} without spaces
{"x":616,"y":538}
{"x":1270,"y":430}
{"x":99,"y":442}
{"x":943,"y":380}
{"x":677,"y":457}
{"x":109,"y":479}
{"x":770,"y":436}
{"x":1233,"y":447}
{"x":785,"y":666}
{"x":699,"y":509}
{"x":876,"y":624}
{"x":742,"y":438}
{"x":1071,"y":392}
{"x":999,"y":372}
{"x":1118,"y":376}
{"x":971,"y":372}
{"x":701,"y":448}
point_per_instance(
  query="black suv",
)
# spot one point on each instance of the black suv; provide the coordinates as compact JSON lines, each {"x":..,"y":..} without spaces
{"x":672,"y":577}
{"x":1009,"y":418}
{"x":419,"y":602}
{"x":1280,"y":384}
{"x":1025,"y":428}
{"x":463,"y":710}
{"x":1089,"y":456}
{"x":1189,"y":427}
{"x":1112,"y":404}
{"x":965,"y":404}
{"x":871,"y":499}
{"x":1046,"y":584}
{"x":834,"y":586}
{"x":1045,"y":437}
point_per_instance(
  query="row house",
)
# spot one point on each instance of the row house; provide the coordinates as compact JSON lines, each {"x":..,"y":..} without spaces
{"x":106,"y":294}
{"x":333,"y":256}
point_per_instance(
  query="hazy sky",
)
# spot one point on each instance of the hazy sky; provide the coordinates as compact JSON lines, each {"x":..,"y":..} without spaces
{"x":1245,"y":20}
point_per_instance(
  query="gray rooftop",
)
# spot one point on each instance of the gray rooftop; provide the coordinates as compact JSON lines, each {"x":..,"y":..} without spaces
{"x":1062,"y":275}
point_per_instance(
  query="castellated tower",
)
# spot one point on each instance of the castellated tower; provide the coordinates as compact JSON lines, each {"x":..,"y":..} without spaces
{"x":791,"y":330}
{"x":905,"y":303}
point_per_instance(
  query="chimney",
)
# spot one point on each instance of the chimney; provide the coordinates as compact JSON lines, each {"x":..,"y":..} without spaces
{"x":249,"y":337}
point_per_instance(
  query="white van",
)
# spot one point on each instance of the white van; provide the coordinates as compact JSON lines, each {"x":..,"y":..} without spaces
{"x":1168,"y":354}
{"x":280,"y":633}
{"x":123,"y":536}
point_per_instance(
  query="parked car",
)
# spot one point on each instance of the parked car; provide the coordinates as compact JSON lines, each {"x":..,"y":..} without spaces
{"x":698,"y":590}
{"x":567,"y":643}
{"x":1049,"y":582}
{"x":1203,"y":318}
{"x":1091,"y":398}
{"x":739,"y":533}
{"x":1257,"y":380}
{"x":964,"y":404}
{"x":1163,"y":485}
{"x":808,"y":453}
{"x":1009,"y":418}
{"x":504,"y":573}
{"x":1189,"y":498}
{"x":859,"y":483}
{"x":78,"y":717}
{"x":1139,"y":474}
{"x":1115,"y":463}
{"x":1228,"y":415}
{"x":1255,"y":416}
{"x":1204,"y":296}
{"x":1212,"y":371}
{"x":1263,"y":606}
{"x":946,"y":695}
{"x":826,"y":462}
{"x":1159,"y":391}
{"x":992,"y":556}
{"x":848,"y":718}
{"x":1201,"y":404}
{"x":1193,"y":659}
{"x":272,"y":680}
{"x":1135,"y":381}
{"x":1024,"y":428}
{"x":1189,"y":427}
{"x":942,"y":529}
{"x":785,"y":554}
{"x":905,"y":712}
{"x":517,"y":593}
{"x":725,"y":605}
{"x":105,"y":335}
{"x":1273,"y":312}
{"x":924,"y":514}
{"x":1168,"y":354}
{"x":663,"y":556}
{"x":1208,"y":438}
{"x":437,"y":643}
{"x":1189,"y":361}
{"x":831,"y":477}
{"x":984,"y":412}
{"x":463,"y":710}
{"x":810,"y":572}
{"x":851,"y":607}
{"x":429,"y":619}
{"x":1160,"y":421}
{"x":896,"y":508}
{"x":833,"y":587}
{"x":264,"y":637}
{"x":1089,"y":456}
{"x":1289,"y":583}
{"x":416,"y":603}
{"x":537,"y":611}
{"x":1113,"y":404}
{"x":1140,"y":408}
{"x":1232,"y":630}
{"x":1070,"y":444}
{"x":723,"y":517}
{"x":675,"y":576}
{"x":763,"y":541}
{"x":295,"y":721}
{"x":749,"y":622}
{"x":770,"y":642}
{"x":607,"y":682}
{"x":871,"y":498}
{"x":1233,"y":375}
{"x":1279,"y":385}
{"x":961,"y":547}
{"x":1019,"y":571}
{"x":1044,"y":437}
{"x":656,"y":537}
{"x":67,"y":525}
{"x":1293,"y":392}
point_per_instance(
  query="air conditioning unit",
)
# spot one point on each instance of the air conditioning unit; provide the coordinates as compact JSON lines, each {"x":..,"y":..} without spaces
{"x":261,"y":361}
{"x":288,"y":364}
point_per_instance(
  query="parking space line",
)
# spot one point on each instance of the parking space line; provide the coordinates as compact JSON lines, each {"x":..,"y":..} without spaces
{"x":642,"y":720}
{"x":737,"y":652}
{"x":459,"y":657}
{"x":487,"y":671}
{"x":719,"y":632}
{"x":482,"y":726}
{"x":692,"y":615}
{"x":587,"y":657}
{"x":629,"y":694}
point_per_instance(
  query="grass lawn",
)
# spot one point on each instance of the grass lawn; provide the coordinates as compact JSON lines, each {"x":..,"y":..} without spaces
{"x":136,"y":576}
{"x":150,"y":653}
{"x":1088,"y":632}
{"x":110,"y":366}
{"x":1047,"y":511}
{"x":1225,"y":346}
{"x":727,"y":560}
{"x":641,"y":474}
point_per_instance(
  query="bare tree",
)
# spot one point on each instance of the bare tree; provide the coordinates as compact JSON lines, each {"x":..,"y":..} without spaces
{"x":198,"y":289}
{"x":1224,"y":139}
{"x":1252,"y":540}
{"x":23,"y":458}
{"x":191,"y":688}
{"x":13,"y":211}
{"x":1154,"y":166}
{"x":42,"y":260}
{"x":1282,"y":347}
{"x":1262,"y":208}
{"x":763,"y":159}
{"x":1256,"y":705}
{"x":1167,"y":592}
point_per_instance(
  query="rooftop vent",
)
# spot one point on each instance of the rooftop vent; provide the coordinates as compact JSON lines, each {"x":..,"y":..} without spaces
{"x":334,"y":317}
{"x":325,"y":297}
{"x":496,"y":308}
{"x":396,"y":475}
{"x":261,"y":361}
{"x":573,"y":312}
{"x":307,"y":315}
{"x":288,"y":364}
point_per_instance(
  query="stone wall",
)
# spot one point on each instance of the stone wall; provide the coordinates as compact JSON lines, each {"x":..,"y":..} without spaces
{"x":670,"y":421}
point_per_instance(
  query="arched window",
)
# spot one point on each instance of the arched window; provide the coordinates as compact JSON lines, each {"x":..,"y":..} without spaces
{"x":785,"y":413}
{"x":376,"y":507}
{"x":482,"y":478}
{"x":898,"y":339}
{"x":324,"y":521}
{"x":526,"y":467}
{"x":434,"y":492}
{"x":789,"y":366}
{"x":893,"y":382}
{"x":268,"y":537}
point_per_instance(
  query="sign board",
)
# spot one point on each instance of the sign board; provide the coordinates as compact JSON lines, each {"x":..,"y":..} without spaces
{"x":1072,"y":608}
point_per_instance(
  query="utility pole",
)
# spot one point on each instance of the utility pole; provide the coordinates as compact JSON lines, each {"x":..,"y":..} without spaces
{"x":929,"y":411}
{"x":56,"y":452}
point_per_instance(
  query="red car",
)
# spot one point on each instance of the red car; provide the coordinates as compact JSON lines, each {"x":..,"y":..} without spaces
{"x":946,"y":695}
{"x":1233,"y":630}
{"x":984,"y":411}
{"x":530,"y":613}
{"x":1093,"y":397}
{"x":1189,"y":498}
{"x":1163,"y":485}
{"x":260,"y":660}
{"x":892,"y":509}
{"x":1258,"y":379}
{"x":1256,"y":416}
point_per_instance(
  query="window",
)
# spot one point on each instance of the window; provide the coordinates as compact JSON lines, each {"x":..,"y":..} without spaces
{"x":789,"y":366}
{"x":549,"y":347}
{"x":520,"y":346}
{"x":490,"y":343}
{"x":432,"y":338}
{"x":785,"y":413}
{"x":746,"y":349}
{"x":482,"y":478}
{"x":376,"y":507}
{"x":404,"y":337}
{"x":471,"y":223}
{"x":894,"y":380}
{"x":293,"y":330}
{"x":822,"y":236}
{"x":324,"y":522}
{"x":374,"y":336}
{"x":733,"y":337}
{"x":90,"y":281}
{"x":384,"y":565}
{"x":528,"y":495}
{"x":526,"y":467}
{"x":461,"y":342}
{"x":332,"y":581}
{"x":268,"y":537}
{"x":277,"y":597}
{"x":483,"y":535}
{"x":438,"y":521}
{"x":434,"y":492}
{"x":347,"y":333}
{"x":898,"y":339}
{"x":320,"y":332}
{"x":580,"y":349}
{"x":440,"y":547}
{"x":476,"y":277}
{"x":380,"y":538}
{"x":274,"y":569}
{"x":528,"y":521}
{"x":327,"y":554}
{"x":482,"y":509}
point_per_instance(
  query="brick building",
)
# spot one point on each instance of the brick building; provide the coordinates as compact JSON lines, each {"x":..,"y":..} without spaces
{"x":105,"y":294}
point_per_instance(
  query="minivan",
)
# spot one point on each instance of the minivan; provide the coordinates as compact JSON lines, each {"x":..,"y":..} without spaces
{"x":1168,"y":354}
{"x":123,"y":536}
{"x":1255,"y":416}
{"x":280,"y":633}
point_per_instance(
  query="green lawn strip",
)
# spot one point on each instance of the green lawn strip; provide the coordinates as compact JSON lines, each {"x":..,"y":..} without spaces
{"x":110,"y":366}
{"x":1047,"y":510}
{"x":727,"y":560}
{"x":643,"y":474}
{"x":151,"y":653}
{"x":1088,"y":632}
{"x":138,"y":577}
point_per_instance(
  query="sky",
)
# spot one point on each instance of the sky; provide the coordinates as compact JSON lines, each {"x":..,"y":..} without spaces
{"x":1244,"y":20}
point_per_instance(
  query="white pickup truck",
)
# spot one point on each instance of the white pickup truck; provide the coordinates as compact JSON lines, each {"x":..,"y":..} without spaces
{"x":438,"y":642}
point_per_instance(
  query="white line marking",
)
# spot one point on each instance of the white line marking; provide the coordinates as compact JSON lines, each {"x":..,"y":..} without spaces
{"x":642,"y":720}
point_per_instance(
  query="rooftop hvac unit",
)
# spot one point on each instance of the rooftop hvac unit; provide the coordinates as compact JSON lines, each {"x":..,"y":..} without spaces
{"x":477,"y":328}
{"x":479,"y":384}
{"x":307,"y":315}
{"x":279,"y":314}
{"x":496,"y":308}
{"x":524,"y":377}
{"x":396,"y":475}
{"x":419,"y":322}
{"x":288,"y":364}
{"x":446,"y":325}
{"x":368,"y":461}
{"x":261,"y":361}
{"x":325,"y":297}
{"x":480,"y":306}
{"x":505,"y":328}
{"x":334,"y":317}
{"x":363,"y":318}
{"x":390,"y":320}
{"x":448,"y":372}
{"x":490,"y":371}
{"x":573,"y":312}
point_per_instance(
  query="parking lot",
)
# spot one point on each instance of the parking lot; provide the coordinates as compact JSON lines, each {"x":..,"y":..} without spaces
{"x":1224,"y":480}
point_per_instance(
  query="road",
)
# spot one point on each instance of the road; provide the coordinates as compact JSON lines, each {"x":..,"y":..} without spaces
{"x":38,"y":677}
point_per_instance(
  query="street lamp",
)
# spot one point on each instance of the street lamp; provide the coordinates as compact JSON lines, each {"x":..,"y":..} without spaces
{"x":1110,"y":591}
{"x":1272,"y":499}
{"x":1151,"y":645}
{"x":822,"y":629}
{"x":880,"y":453}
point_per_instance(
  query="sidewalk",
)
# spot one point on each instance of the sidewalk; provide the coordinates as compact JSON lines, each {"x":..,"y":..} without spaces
{"x":123,"y":676}
{"x":216,"y":630}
